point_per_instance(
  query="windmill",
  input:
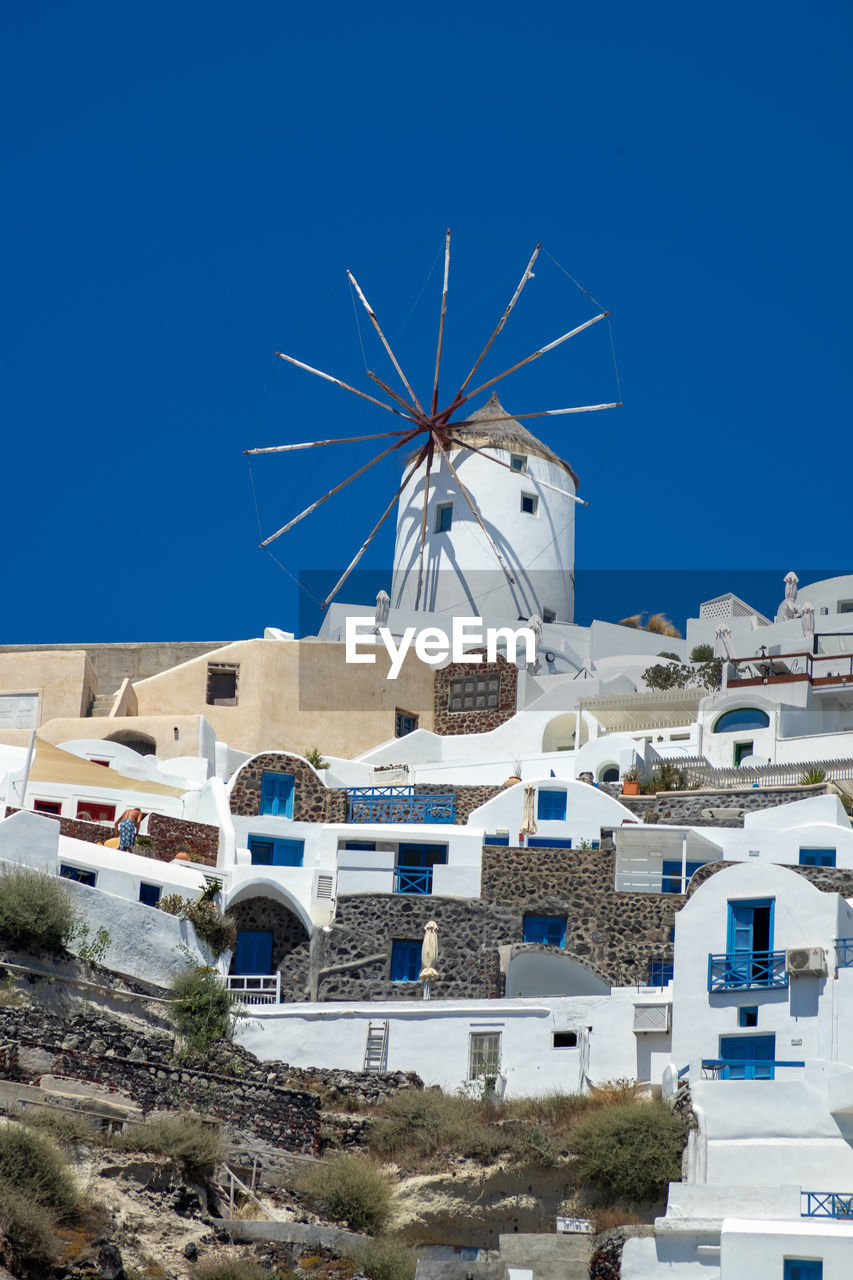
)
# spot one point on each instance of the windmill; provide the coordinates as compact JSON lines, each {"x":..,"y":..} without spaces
{"x":432,"y":432}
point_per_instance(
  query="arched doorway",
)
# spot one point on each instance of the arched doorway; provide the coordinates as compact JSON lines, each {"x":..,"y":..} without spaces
{"x":142,"y":743}
{"x":563,"y":733}
{"x":271,"y":935}
{"x":536,"y":971}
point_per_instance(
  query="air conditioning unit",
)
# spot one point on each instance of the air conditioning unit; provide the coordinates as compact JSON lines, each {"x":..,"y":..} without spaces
{"x":652,"y":1017}
{"x":805,"y":961}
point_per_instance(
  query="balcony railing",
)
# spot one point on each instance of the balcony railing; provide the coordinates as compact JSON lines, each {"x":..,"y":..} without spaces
{"x":399,"y":804}
{"x":814,"y":669}
{"x":739,"y":1069}
{"x":413,"y":879}
{"x":826,"y":1204}
{"x":742,"y":970}
{"x":255,"y":988}
{"x":844,"y":953}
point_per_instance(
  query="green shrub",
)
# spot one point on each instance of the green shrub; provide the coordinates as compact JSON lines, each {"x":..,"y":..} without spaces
{"x":229,"y":1266}
{"x":201,"y":1007}
{"x":28,"y":1226}
{"x":217,"y":930}
{"x":66,"y":1127}
{"x":36,"y":910}
{"x":702,"y":653}
{"x":386,"y":1259}
{"x":351,"y":1188}
{"x":629,"y":1152}
{"x":188,"y":1141}
{"x":34,"y":1166}
{"x":812,"y":776}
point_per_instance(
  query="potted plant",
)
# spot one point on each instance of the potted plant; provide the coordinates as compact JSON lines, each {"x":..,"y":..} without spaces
{"x":631,"y":781}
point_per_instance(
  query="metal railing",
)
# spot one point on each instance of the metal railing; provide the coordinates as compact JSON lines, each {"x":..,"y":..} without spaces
{"x":739,"y":1069}
{"x":844,"y":953}
{"x":782,"y":668}
{"x":399,"y":804}
{"x":413,"y":879}
{"x":826,"y":1204}
{"x":741,"y":970}
{"x":255,"y":988}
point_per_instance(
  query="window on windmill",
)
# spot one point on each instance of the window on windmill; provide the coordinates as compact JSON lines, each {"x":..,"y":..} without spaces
{"x":529,"y":503}
{"x":443,"y":517}
{"x":484,"y":1054}
{"x":404,"y":722}
{"x":518,"y":462}
{"x":222,"y":684}
{"x":474,"y":693}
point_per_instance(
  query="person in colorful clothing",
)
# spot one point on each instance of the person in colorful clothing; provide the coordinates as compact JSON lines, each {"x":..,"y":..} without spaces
{"x":127,"y":828}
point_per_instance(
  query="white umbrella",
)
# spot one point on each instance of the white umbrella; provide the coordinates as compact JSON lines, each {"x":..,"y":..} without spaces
{"x":791,"y":607}
{"x":528,"y":816}
{"x":808,"y":619}
{"x":429,"y":957}
{"x":534,"y":624}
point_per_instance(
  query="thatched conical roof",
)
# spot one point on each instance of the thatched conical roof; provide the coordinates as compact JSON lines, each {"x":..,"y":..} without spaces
{"x":511,"y":435}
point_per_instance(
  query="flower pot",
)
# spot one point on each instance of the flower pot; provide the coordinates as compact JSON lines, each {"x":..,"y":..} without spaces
{"x":631,"y":788}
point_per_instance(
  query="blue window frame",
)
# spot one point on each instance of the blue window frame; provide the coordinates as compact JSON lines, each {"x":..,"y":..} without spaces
{"x":149,"y":894}
{"x":548,"y":929}
{"x":549,"y":842}
{"x":660,"y":972}
{"x":747,"y":1015}
{"x":817,"y":857}
{"x":551,"y":806}
{"x":277,"y":795}
{"x":670,"y":880}
{"x":79,"y":874}
{"x":747,"y":1057}
{"x":443,"y":517}
{"x":803,"y":1269}
{"x":751,"y":925}
{"x":405,"y":961}
{"x":493,"y":839}
{"x":267,"y":851}
{"x":741,"y":718}
{"x":254,"y":951}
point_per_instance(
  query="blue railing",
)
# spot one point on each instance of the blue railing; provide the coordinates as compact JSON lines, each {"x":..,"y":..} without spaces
{"x":844,"y":953}
{"x":826,"y":1204}
{"x":741,"y":970}
{"x":740,"y":1069}
{"x":399,"y":804}
{"x":413,"y":879}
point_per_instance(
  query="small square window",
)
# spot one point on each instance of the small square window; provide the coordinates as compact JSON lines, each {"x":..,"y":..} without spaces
{"x":443,"y":517}
{"x":747,"y":1015}
{"x":817,"y":857}
{"x":53,"y":807}
{"x":405,"y":960}
{"x":474,"y":693}
{"x":484,"y":1054}
{"x":95,"y":811}
{"x":565,"y":1039}
{"x":149,"y":894}
{"x":551,"y":806}
{"x":404,"y":722}
{"x":529,"y":503}
{"x":660,"y":973}
{"x":79,"y":874}
{"x":549,"y":615}
{"x":518,"y":462}
{"x":222,"y":684}
{"x":549,"y":930}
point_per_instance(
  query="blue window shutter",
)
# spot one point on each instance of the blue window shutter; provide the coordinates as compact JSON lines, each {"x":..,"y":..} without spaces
{"x":550,"y":930}
{"x":149,"y":894}
{"x":551,"y":806}
{"x":288,"y":853}
{"x":405,"y":961}
{"x":817,"y":857}
{"x":254,"y":952}
{"x":277,"y":795}
{"x":803,"y":1269}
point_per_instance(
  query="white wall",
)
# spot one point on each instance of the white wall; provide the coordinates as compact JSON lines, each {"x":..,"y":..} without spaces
{"x":587,"y":810}
{"x":757,"y":1250}
{"x":432,"y":1037}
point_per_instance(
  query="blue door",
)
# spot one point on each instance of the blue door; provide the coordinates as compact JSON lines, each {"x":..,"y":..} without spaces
{"x":748,"y":1057}
{"x":254,"y":952}
{"x":413,"y":872}
{"x":671,"y":874}
{"x":277,"y":795}
{"x":267,"y":851}
{"x":750,"y":940}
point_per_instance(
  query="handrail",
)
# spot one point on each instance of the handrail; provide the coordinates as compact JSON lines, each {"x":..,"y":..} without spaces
{"x":412,"y":879}
{"x":721,"y":1068}
{"x":826,"y":1204}
{"x":844,"y":953}
{"x":400,"y":804}
{"x":741,"y":970}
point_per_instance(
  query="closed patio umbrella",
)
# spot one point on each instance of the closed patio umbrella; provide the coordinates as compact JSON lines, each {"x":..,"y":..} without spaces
{"x":528,"y":815}
{"x":429,"y":957}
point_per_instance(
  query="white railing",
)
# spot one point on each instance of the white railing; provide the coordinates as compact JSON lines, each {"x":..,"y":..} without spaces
{"x":255,"y":988}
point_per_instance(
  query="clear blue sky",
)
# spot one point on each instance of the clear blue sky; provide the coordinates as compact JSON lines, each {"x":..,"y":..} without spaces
{"x":186,"y":184}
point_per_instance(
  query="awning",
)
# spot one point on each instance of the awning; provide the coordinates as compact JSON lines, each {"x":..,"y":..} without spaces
{"x":665,"y":841}
{"x":628,"y":712}
{"x":52,"y":764}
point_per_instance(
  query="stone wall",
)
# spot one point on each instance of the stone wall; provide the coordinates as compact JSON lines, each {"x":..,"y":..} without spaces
{"x":288,"y":931}
{"x":685,"y":807}
{"x":168,"y":835}
{"x":446,"y":721}
{"x":92,"y":1046}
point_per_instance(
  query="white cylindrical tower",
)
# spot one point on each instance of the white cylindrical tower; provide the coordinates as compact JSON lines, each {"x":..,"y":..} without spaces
{"x":533,"y":527}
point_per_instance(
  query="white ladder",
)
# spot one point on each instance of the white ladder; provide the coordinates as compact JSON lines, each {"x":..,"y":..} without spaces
{"x":376,"y":1049}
